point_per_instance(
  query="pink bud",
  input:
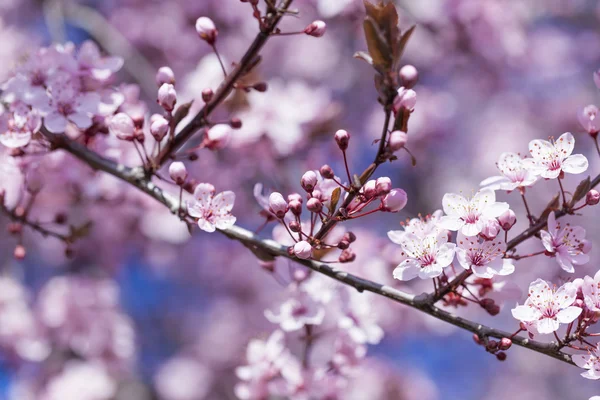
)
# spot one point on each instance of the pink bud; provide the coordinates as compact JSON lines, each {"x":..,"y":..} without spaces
{"x":369,"y":190}
{"x":303,"y":250}
{"x":316,"y":28}
{"x":347,"y":256}
{"x":317,"y":194}
{"x":207,"y":30}
{"x":406,"y":98}
{"x":507,"y":219}
{"x":121,"y":125}
{"x":159,"y":128}
{"x":408,"y":76}
{"x":295,"y":207}
{"x":278,"y":205}
{"x":218,"y":136}
{"x":505,"y":343}
{"x":314,"y":205}
{"x":501,"y":356}
{"x":235,"y":123}
{"x":395,"y":200}
{"x":295,"y":226}
{"x":397,"y":140}
{"x":491,"y":229}
{"x":19,"y":252}
{"x":589,"y":119}
{"x":165,"y":75}
{"x":326,"y":172}
{"x":294,"y":196}
{"x":592,"y":197}
{"x":309,"y":181}
{"x":343,"y":244}
{"x":178,"y":172}
{"x":596,"y":76}
{"x":261,"y":87}
{"x":383,"y":186}
{"x":349,"y":236}
{"x":207,"y":95}
{"x":342,"y":138}
{"x":167,"y":96}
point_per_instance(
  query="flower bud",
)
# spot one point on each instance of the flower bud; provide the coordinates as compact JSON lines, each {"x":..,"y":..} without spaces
{"x":395,"y":200}
{"x":235,"y":123}
{"x":326,"y":172}
{"x":294,"y":196}
{"x":369,"y":189}
{"x":349,"y":236}
{"x":165,"y":75}
{"x":383,"y":186}
{"x":505,"y":344}
{"x":408,"y":76}
{"x":260,"y":87}
{"x":347,"y":256}
{"x":343,"y":244}
{"x":501,"y":356}
{"x":296,"y":207}
{"x":476,"y":339}
{"x":295,"y":226}
{"x":406,"y":98}
{"x":121,"y":125}
{"x":314,"y":205}
{"x":19,"y":252}
{"x":207,"y":30}
{"x":303,"y":250}
{"x":309,"y":181}
{"x":507,"y":219}
{"x":167,"y":96}
{"x":492,"y":345}
{"x":217,"y":137}
{"x":316,"y":28}
{"x":397,"y":140}
{"x":159,"y":128}
{"x":342,"y":138}
{"x":589,"y":119}
{"x":178,"y":172}
{"x":317,"y":194}
{"x":207,"y":95}
{"x":278,"y":205}
{"x":592,"y":197}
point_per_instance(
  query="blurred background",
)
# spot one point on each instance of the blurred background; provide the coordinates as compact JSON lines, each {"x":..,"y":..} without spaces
{"x":173,"y":314}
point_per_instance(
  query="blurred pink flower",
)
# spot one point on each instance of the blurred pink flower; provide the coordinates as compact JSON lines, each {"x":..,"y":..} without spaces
{"x":213,"y":212}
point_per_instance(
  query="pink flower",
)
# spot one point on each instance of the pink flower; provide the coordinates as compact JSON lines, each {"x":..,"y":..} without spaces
{"x":359,"y":320}
{"x":591,"y":362}
{"x":394,"y":201}
{"x":470,"y":216}
{"x":303,"y":250}
{"x":178,"y":172}
{"x":91,"y":62}
{"x":18,"y":125}
{"x":316,"y":28}
{"x":217,"y":136}
{"x":567,"y":244}
{"x":121,"y":125}
{"x":420,"y":227}
{"x":546,"y":308}
{"x":550,"y":159}
{"x":183,"y":378}
{"x":406,"y":98}
{"x":206,"y":29}
{"x":483,"y":257}
{"x":297,"y":312}
{"x":514,"y":174}
{"x":277,"y":205}
{"x":81,"y":380}
{"x":588,"y":118}
{"x":165,"y":75}
{"x":167,"y":96}
{"x":425,"y":256}
{"x":213,"y":212}
{"x":591,"y":292}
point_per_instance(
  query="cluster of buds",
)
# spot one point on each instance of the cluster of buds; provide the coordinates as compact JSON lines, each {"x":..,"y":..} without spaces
{"x":380,"y":189}
{"x":496,"y":347}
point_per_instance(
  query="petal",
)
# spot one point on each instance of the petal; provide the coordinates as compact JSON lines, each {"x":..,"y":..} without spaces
{"x":225,"y":221}
{"x":445,"y":255}
{"x":540,"y":148}
{"x":495,"y":209}
{"x":81,"y":120}
{"x":407,"y":270}
{"x":224,"y":201}
{"x":396,"y":236}
{"x":471,"y":229}
{"x":547,"y":241}
{"x":55,"y":122}
{"x":565,"y":144}
{"x":430,"y":271}
{"x":451,"y":223}
{"x":461,"y":256}
{"x":454,"y":204}
{"x":494,"y":182}
{"x":483,"y":272}
{"x":206,"y":225}
{"x":525,"y":313}
{"x":547,"y":325}
{"x":484,"y":198}
{"x":565,"y":262}
{"x":568,"y":315}
{"x":203,"y":194}
{"x":576,"y":164}
{"x":552,"y":222}
{"x":582,"y":361}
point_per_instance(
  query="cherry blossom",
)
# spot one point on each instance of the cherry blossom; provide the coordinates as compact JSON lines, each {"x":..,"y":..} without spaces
{"x":17,"y":125}
{"x":296,"y":312}
{"x":514,"y":174}
{"x":590,"y":362}
{"x":80,"y":380}
{"x":470,"y":216}
{"x":552,"y":158}
{"x":359,"y":320}
{"x":426,"y":257}
{"x":484,"y":257}
{"x":591,"y":292}
{"x":547,"y":307}
{"x":91,"y":62}
{"x":566,"y":243}
{"x":420,"y":227}
{"x":588,"y":118}
{"x":213,"y":212}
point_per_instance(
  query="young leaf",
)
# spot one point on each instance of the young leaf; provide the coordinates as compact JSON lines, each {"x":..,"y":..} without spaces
{"x":582,"y":189}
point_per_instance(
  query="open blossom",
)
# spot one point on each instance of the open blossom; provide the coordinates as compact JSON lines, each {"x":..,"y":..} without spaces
{"x":426,"y":257}
{"x":93,"y":63}
{"x":514,"y":174}
{"x":296,"y":312}
{"x":566,"y":243}
{"x":17,"y":125}
{"x":591,"y":292}
{"x":470,"y":216}
{"x":483,"y":257}
{"x":213,"y":212}
{"x":359,"y":320}
{"x":588,"y":118}
{"x":590,"y":362}
{"x":420,"y":227}
{"x":546,"y":307}
{"x":552,"y":158}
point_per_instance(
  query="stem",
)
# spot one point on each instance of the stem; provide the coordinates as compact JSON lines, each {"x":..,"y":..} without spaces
{"x":214,"y":47}
{"x":596,"y":143}
{"x":347,"y":169}
{"x":529,"y":215}
{"x":562,"y":190}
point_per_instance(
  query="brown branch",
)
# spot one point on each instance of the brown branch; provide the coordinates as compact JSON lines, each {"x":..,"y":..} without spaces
{"x":135,"y":177}
{"x":248,"y":60}
{"x":33,"y":225}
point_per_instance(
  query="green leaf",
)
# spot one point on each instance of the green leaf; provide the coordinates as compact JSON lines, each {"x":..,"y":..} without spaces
{"x":582,"y":189}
